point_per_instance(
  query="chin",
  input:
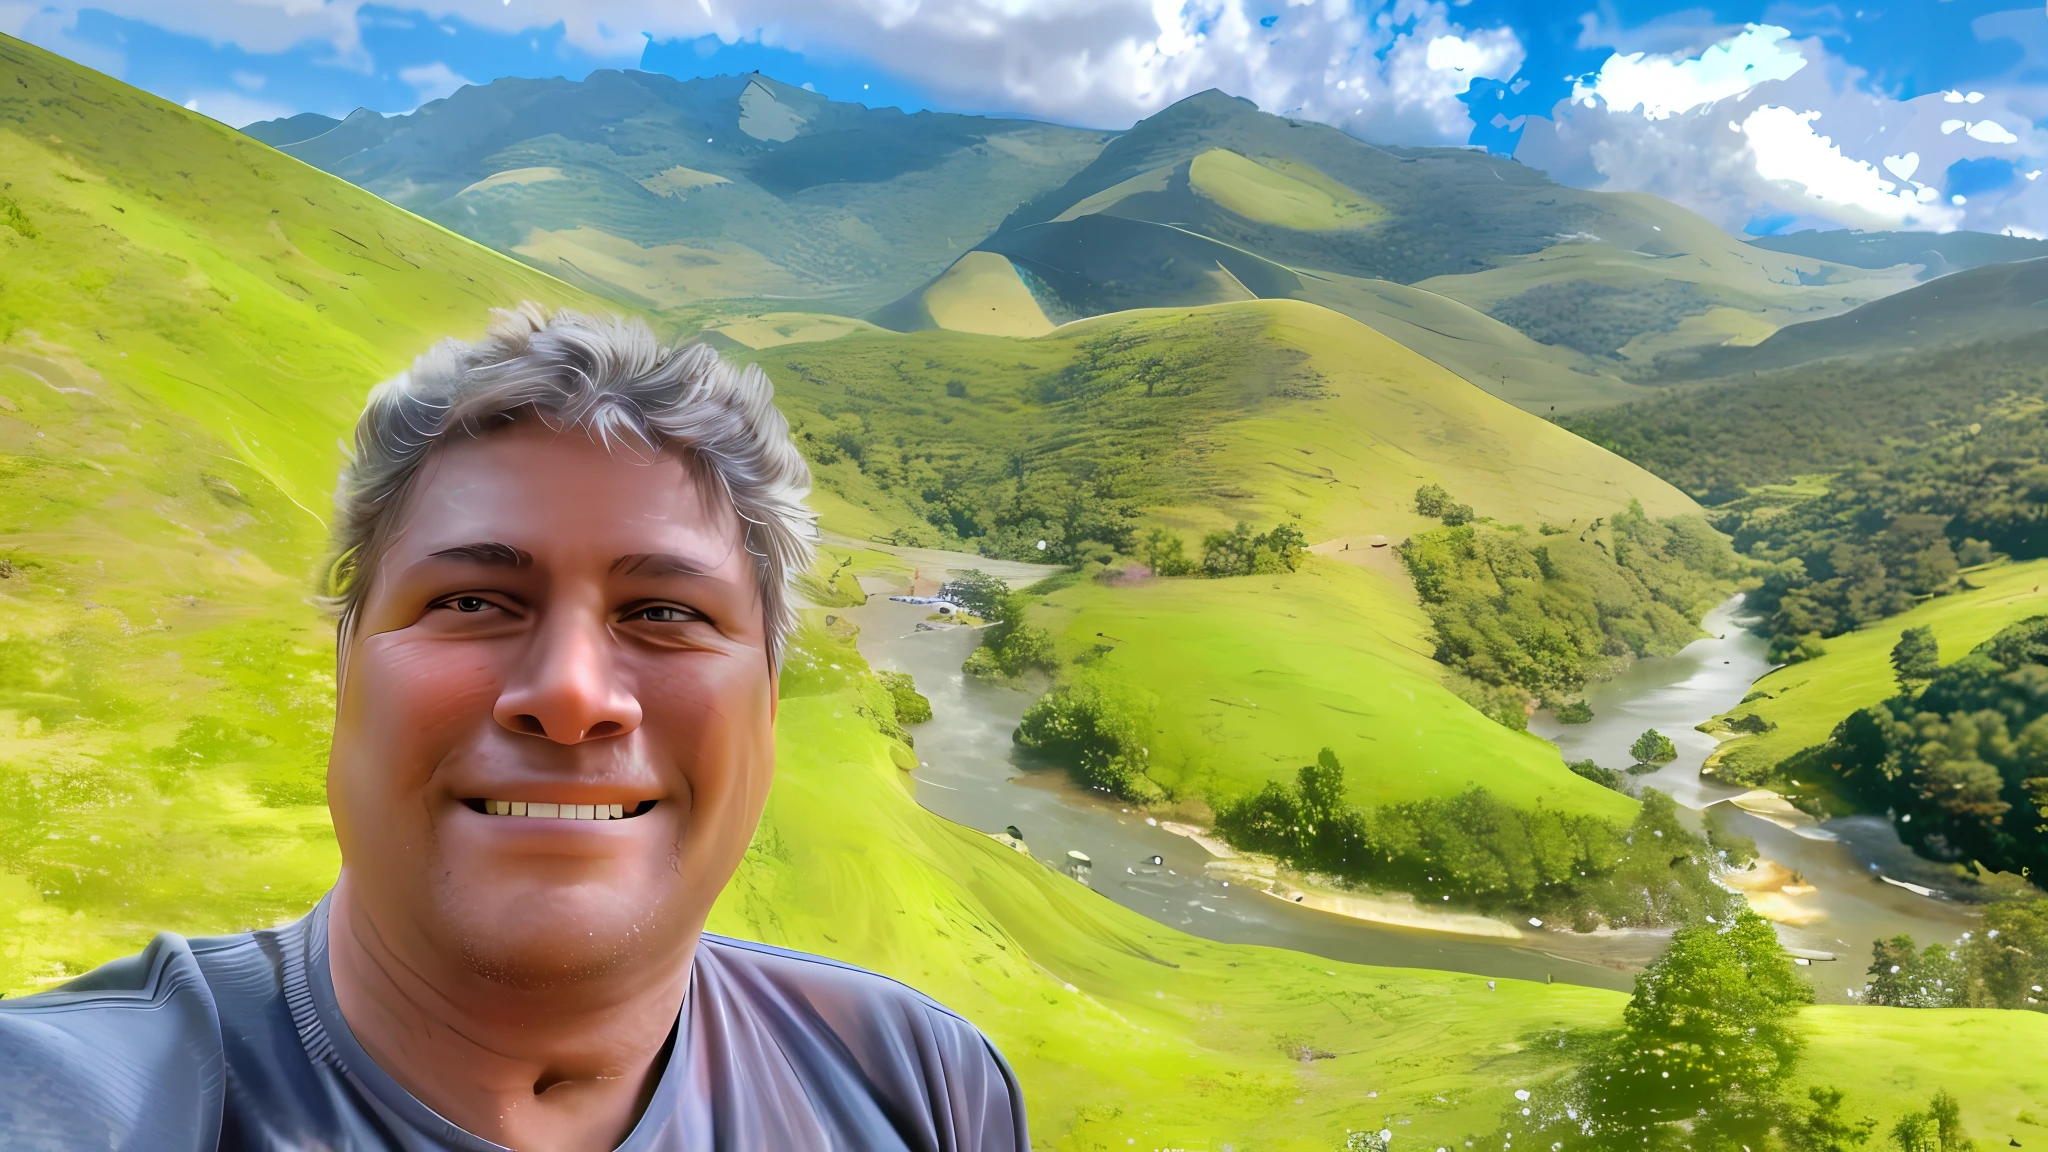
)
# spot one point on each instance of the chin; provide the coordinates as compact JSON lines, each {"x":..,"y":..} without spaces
{"x":535,"y":936}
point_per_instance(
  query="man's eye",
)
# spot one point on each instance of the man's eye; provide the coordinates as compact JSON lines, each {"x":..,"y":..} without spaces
{"x":664,"y":614}
{"x":469,"y":603}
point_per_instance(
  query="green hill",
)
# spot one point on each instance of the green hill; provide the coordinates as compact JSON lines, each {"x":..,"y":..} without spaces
{"x":1937,"y":253}
{"x":664,"y":193}
{"x":1982,"y":305}
{"x":1263,"y":411}
{"x":1479,"y":263}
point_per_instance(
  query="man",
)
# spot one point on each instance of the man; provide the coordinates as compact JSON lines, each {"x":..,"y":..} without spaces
{"x":562,"y":566}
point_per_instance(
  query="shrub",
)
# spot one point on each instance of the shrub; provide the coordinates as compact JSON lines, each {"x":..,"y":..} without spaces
{"x":1575,"y":712}
{"x":1096,"y":729}
{"x":1653,"y":747}
{"x":911,"y":706}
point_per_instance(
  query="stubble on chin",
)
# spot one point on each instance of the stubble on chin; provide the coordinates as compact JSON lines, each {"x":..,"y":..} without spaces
{"x":564,"y":940}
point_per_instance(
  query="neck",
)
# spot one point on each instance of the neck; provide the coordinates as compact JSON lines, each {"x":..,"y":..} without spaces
{"x":565,"y":1067}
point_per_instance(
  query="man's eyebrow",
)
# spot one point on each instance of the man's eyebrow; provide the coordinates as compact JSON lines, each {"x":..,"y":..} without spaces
{"x":489,"y":553}
{"x":657,"y":564}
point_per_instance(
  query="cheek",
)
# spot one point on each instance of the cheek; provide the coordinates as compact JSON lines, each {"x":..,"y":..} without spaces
{"x":407,"y":702}
{"x":717,"y":721}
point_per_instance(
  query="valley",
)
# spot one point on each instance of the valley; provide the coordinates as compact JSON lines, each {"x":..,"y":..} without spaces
{"x":1184,"y":388}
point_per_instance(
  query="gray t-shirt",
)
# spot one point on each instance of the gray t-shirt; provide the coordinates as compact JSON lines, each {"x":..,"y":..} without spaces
{"x":236,"y":1043}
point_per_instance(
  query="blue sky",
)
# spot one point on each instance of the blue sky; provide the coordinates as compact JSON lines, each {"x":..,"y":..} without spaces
{"x":1764,"y":116}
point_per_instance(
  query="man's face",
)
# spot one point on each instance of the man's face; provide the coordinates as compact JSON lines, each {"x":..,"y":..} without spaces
{"x":554,"y":629}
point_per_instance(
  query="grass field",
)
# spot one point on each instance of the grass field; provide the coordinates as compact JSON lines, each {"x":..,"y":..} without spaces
{"x":1125,"y":1031}
{"x":1283,"y":193}
{"x":1253,"y":675}
{"x":1806,"y":700}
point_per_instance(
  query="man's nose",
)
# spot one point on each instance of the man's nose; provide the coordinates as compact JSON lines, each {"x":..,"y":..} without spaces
{"x":568,"y":687}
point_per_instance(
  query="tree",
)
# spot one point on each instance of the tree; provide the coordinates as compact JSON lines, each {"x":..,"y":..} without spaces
{"x":1229,"y":553}
{"x":1915,"y":658}
{"x":1432,"y":500}
{"x":1823,"y":1128}
{"x":1653,"y":747}
{"x":1938,"y":1129}
{"x":1901,"y":977}
{"x":981,"y":594}
{"x":1163,"y":554}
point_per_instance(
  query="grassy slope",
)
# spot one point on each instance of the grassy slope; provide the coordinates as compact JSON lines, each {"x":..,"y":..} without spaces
{"x":1653,"y":243}
{"x":1808,"y":699}
{"x":1164,"y":1040}
{"x":1346,"y":457}
{"x":189,"y":322}
{"x":1255,"y":674}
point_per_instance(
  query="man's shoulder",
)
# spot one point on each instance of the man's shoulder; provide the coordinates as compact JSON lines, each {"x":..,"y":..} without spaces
{"x":943,"y":1080}
{"x":821,"y":980}
{"x":127,"y":1054}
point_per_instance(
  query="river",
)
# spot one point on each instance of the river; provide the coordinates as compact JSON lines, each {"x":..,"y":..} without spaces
{"x":968,"y":772}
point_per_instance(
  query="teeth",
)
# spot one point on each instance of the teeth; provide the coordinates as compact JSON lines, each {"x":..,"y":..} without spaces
{"x":546,"y":811}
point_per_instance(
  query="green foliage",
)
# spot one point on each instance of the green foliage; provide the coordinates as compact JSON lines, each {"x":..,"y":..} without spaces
{"x":1543,"y":615}
{"x":1598,"y":319}
{"x":1163,"y":553}
{"x":1575,"y":712}
{"x":911,"y":705}
{"x":1240,"y":552}
{"x":1915,"y":658}
{"x":1605,"y":777}
{"x":1653,"y":747}
{"x":1822,"y":1127}
{"x":982,"y":595}
{"x":1937,"y":1129}
{"x":1063,"y":440}
{"x":1706,"y":1043}
{"x":1901,"y":977}
{"x":1432,"y":500}
{"x":1096,"y":728}
{"x":1473,"y":849}
{"x":2005,"y":960}
{"x":1963,"y":764}
{"x":1826,"y":417}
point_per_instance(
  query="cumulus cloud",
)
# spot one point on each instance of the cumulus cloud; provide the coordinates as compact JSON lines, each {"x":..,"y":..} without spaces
{"x":1764,"y":131}
{"x":1390,"y":71}
{"x":434,"y":81}
{"x":1660,"y":87}
{"x":237,"y":109}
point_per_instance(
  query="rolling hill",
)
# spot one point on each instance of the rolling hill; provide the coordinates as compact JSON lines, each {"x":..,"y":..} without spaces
{"x":1937,"y":253}
{"x":1989,"y":304}
{"x":1477,"y":262}
{"x":1262,"y":411}
{"x":665,"y":194}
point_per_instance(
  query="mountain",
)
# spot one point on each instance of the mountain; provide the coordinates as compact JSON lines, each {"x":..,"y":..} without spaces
{"x":1937,"y":253}
{"x":1990,"y":304}
{"x":291,"y":129}
{"x":1476,"y":261}
{"x":665,"y":193}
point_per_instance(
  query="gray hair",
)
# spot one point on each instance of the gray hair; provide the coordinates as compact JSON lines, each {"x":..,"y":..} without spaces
{"x":610,"y":378}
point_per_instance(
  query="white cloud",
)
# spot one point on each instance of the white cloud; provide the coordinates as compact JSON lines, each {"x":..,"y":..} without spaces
{"x":1992,"y":132}
{"x":249,"y":81}
{"x":1662,"y":86}
{"x":1814,"y":148}
{"x":434,"y":81}
{"x":1787,"y":150}
{"x":1098,"y":62}
{"x":236,"y":109}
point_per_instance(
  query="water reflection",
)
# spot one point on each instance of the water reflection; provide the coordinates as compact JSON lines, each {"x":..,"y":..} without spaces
{"x":1841,"y":859}
{"x":968,"y":774}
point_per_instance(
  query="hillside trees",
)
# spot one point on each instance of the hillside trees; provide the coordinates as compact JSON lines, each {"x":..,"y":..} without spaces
{"x":1539,"y":615}
{"x":1706,"y":1042}
{"x":1477,"y":850}
{"x":1961,"y":763}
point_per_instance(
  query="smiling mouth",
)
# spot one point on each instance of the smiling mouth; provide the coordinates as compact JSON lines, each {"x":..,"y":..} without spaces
{"x":537,"y":810}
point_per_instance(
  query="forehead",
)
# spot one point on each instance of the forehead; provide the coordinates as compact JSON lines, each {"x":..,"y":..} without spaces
{"x":550,"y":492}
